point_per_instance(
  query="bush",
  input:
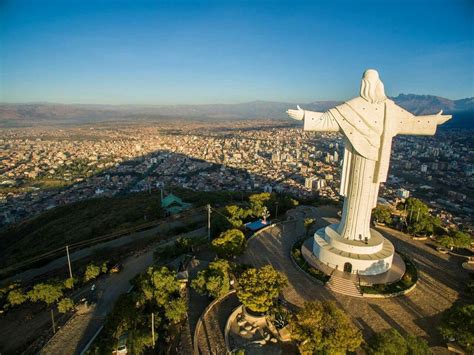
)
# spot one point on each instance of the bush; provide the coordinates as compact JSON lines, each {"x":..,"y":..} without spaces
{"x":65,"y":305}
{"x":176,"y":309}
{"x":382,"y":214}
{"x":92,"y":271}
{"x":16,"y":297}
{"x":69,"y":283}
{"x":215,"y":280}
{"x":48,"y":293}
{"x":391,"y":342}
{"x":301,"y":262}
{"x":409,"y":278}
{"x":458,"y":323}
{"x":229,"y":243}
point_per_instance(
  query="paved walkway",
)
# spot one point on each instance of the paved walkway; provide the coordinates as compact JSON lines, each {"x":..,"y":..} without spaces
{"x":440,"y":278}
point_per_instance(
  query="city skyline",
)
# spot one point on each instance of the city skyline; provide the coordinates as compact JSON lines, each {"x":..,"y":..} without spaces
{"x":187,"y":53}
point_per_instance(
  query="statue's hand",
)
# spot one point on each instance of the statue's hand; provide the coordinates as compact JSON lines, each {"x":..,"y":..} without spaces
{"x":296,"y":114}
{"x":442,"y":118}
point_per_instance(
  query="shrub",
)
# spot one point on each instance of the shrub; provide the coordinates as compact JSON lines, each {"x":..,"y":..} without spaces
{"x":92,"y":271}
{"x":65,"y":305}
{"x":215,"y":280}
{"x":16,"y":297}
{"x":458,"y":323}
{"x":48,"y":293}
{"x":229,"y":243}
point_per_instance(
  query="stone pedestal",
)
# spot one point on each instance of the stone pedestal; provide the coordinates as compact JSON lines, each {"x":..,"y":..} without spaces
{"x":372,"y":256}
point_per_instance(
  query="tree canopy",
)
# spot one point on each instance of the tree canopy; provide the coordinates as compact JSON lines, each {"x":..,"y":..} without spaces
{"x":229,"y":243}
{"x":215,"y":280}
{"x":236,"y":215}
{"x":258,"y":288}
{"x":382,"y":214}
{"x":92,"y":271}
{"x":458,"y":323}
{"x":419,"y":219}
{"x":157,"y":285}
{"x":391,"y":342}
{"x":456,"y":239}
{"x":48,"y":293}
{"x":321,"y":327}
{"x":65,"y":305}
{"x":257,"y":203}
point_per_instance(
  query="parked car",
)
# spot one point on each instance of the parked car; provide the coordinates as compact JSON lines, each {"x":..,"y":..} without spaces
{"x":121,"y":345}
{"x":116,"y":268}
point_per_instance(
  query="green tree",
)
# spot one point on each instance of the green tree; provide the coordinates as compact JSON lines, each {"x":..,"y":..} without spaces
{"x":321,"y":327}
{"x":176,"y":309}
{"x":391,"y":342}
{"x":48,"y":293}
{"x":419,"y":219}
{"x":382,"y":214}
{"x":257,"y":202}
{"x":158,"y":285}
{"x":92,"y":271}
{"x":229,"y":243}
{"x":417,"y":346}
{"x":69,"y":283}
{"x":236,"y":215}
{"x":455,"y":239}
{"x":258,"y":288}
{"x":122,"y":318}
{"x":458,"y":323}
{"x":16,"y":297}
{"x":104,"y":268}
{"x":65,"y":305}
{"x":215,"y":280}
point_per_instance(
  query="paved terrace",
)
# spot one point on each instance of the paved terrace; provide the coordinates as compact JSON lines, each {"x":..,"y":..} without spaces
{"x":418,"y":313}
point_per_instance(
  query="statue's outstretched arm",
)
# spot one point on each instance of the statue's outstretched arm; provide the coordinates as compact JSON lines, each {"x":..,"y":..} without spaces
{"x":315,"y":121}
{"x":422,"y":125}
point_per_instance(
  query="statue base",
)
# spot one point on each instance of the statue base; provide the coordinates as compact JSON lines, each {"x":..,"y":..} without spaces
{"x":373,"y":256}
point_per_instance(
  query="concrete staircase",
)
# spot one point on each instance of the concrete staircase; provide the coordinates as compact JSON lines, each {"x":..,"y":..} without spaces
{"x":344,"y":286}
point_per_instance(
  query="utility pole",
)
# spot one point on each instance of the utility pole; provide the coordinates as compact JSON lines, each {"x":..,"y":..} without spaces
{"x":52,"y":318}
{"x":209,"y":222}
{"x":418,"y":215}
{"x":69,"y":261}
{"x":153,"y":328}
{"x":276,"y":210}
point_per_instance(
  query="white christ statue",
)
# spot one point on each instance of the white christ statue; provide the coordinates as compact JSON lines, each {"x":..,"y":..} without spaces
{"x":369,"y":123}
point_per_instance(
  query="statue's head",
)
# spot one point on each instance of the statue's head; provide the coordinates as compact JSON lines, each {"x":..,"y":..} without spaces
{"x":372,"y":88}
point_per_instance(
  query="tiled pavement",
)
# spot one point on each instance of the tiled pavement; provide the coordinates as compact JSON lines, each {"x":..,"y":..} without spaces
{"x":440,"y":278}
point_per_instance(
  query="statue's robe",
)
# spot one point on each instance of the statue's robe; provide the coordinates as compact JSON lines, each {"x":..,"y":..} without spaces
{"x":368,"y":129}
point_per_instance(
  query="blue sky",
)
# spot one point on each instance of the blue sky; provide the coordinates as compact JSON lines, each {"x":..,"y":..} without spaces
{"x":171,"y":52}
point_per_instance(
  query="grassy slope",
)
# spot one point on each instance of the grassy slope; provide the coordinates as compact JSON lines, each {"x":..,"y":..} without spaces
{"x":76,"y":222}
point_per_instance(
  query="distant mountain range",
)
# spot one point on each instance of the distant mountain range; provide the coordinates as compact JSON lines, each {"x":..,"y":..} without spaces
{"x":28,"y":114}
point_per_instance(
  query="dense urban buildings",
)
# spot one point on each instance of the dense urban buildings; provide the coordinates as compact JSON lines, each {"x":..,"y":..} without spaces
{"x":46,"y":167}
